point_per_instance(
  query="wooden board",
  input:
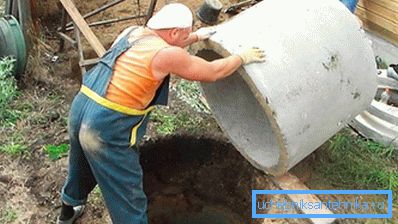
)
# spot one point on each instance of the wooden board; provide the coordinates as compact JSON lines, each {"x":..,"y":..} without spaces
{"x":380,"y":17}
{"x":389,"y":4}
{"x":291,"y":182}
{"x":380,"y":31}
{"x":377,"y":19}
{"x":83,"y":27}
{"x":380,"y":10}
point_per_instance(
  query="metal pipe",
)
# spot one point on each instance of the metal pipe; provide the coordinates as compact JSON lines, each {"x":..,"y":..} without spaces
{"x":96,"y":11}
{"x":104,"y":22}
{"x":64,"y":37}
{"x":63,"y":27}
{"x":151,"y":9}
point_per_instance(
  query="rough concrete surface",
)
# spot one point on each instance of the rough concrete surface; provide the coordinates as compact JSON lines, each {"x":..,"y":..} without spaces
{"x":318,"y":75}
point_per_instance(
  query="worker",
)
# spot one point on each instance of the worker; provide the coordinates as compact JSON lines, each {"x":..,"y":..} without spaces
{"x":110,"y":113}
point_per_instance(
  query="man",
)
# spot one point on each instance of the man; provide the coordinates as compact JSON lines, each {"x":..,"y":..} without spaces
{"x":109,"y":114}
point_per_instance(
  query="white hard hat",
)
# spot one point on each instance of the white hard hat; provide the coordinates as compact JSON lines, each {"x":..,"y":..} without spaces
{"x":175,"y":15}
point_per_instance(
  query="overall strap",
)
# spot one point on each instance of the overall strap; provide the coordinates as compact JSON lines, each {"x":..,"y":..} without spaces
{"x":121,"y":46}
{"x":96,"y":81}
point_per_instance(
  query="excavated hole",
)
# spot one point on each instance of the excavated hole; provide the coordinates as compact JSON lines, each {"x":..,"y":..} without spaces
{"x":198,"y":180}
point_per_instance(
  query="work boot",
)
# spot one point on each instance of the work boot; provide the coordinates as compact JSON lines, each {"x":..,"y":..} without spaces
{"x":77,"y":212}
{"x":392,"y":72}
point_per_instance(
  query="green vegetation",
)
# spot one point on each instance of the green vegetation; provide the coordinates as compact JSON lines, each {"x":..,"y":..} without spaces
{"x":8,"y":92}
{"x":2,"y":7}
{"x":189,"y":92}
{"x":8,"y":85}
{"x":14,"y":145}
{"x":13,"y":148}
{"x":8,"y":115}
{"x":167,"y":124}
{"x":180,"y":118}
{"x":8,"y":215}
{"x":96,"y":197}
{"x":55,"y":152}
{"x":352,"y":161}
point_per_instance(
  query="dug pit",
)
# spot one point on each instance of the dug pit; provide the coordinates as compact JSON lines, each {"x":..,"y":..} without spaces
{"x":198,"y":180}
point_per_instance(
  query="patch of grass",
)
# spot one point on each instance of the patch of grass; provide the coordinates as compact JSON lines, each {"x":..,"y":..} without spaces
{"x":96,"y":196}
{"x":13,"y":148}
{"x":167,"y":124}
{"x":8,"y":216}
{"x":10,"y":117}
{"x":97,"y":190}
{"x":8,"y":92}
{"x":56,"y":152}
{"x":7,"y":82}
{"x":189,"y":92}
{"x":351,"y":161}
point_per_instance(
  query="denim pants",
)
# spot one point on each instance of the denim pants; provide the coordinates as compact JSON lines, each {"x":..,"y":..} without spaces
{"x":101,"y":154}
{"x":103,"y":138}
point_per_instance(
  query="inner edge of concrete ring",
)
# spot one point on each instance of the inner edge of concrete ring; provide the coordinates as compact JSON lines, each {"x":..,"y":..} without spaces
{"x":282,"y":164}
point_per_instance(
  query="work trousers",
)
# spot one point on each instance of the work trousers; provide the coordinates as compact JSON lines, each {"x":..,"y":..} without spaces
{"x":101,"y":153}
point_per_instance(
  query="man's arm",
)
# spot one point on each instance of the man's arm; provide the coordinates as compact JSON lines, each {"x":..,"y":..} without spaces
{"x":177,"y":61}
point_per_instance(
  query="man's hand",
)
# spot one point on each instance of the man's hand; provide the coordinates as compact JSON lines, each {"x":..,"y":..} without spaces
{"x":205,"y":33}
{"x":252,"y":55}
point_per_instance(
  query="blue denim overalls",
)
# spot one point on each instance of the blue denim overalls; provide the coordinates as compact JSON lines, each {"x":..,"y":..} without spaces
{"x":103,"y":137}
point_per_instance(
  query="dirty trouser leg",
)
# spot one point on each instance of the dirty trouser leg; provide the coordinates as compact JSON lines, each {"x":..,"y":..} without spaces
{"x":105,"y":138}
{"x":119,"y":176}
{"x":80,"y":180}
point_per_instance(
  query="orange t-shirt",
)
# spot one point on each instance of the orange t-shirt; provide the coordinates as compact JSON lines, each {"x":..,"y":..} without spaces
{"x":132,"y":83}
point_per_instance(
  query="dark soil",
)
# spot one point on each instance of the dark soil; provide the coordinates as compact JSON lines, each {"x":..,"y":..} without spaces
{"x":198,"y":179}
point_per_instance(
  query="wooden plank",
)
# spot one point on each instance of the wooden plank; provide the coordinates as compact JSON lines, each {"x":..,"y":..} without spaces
{"x":83,"y":27}
{"x":361,"y":12}
{"x":380,"y":31}
{"x":384,"y":12}
{"x":389,"y":4}
{"x":291,"y":182}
